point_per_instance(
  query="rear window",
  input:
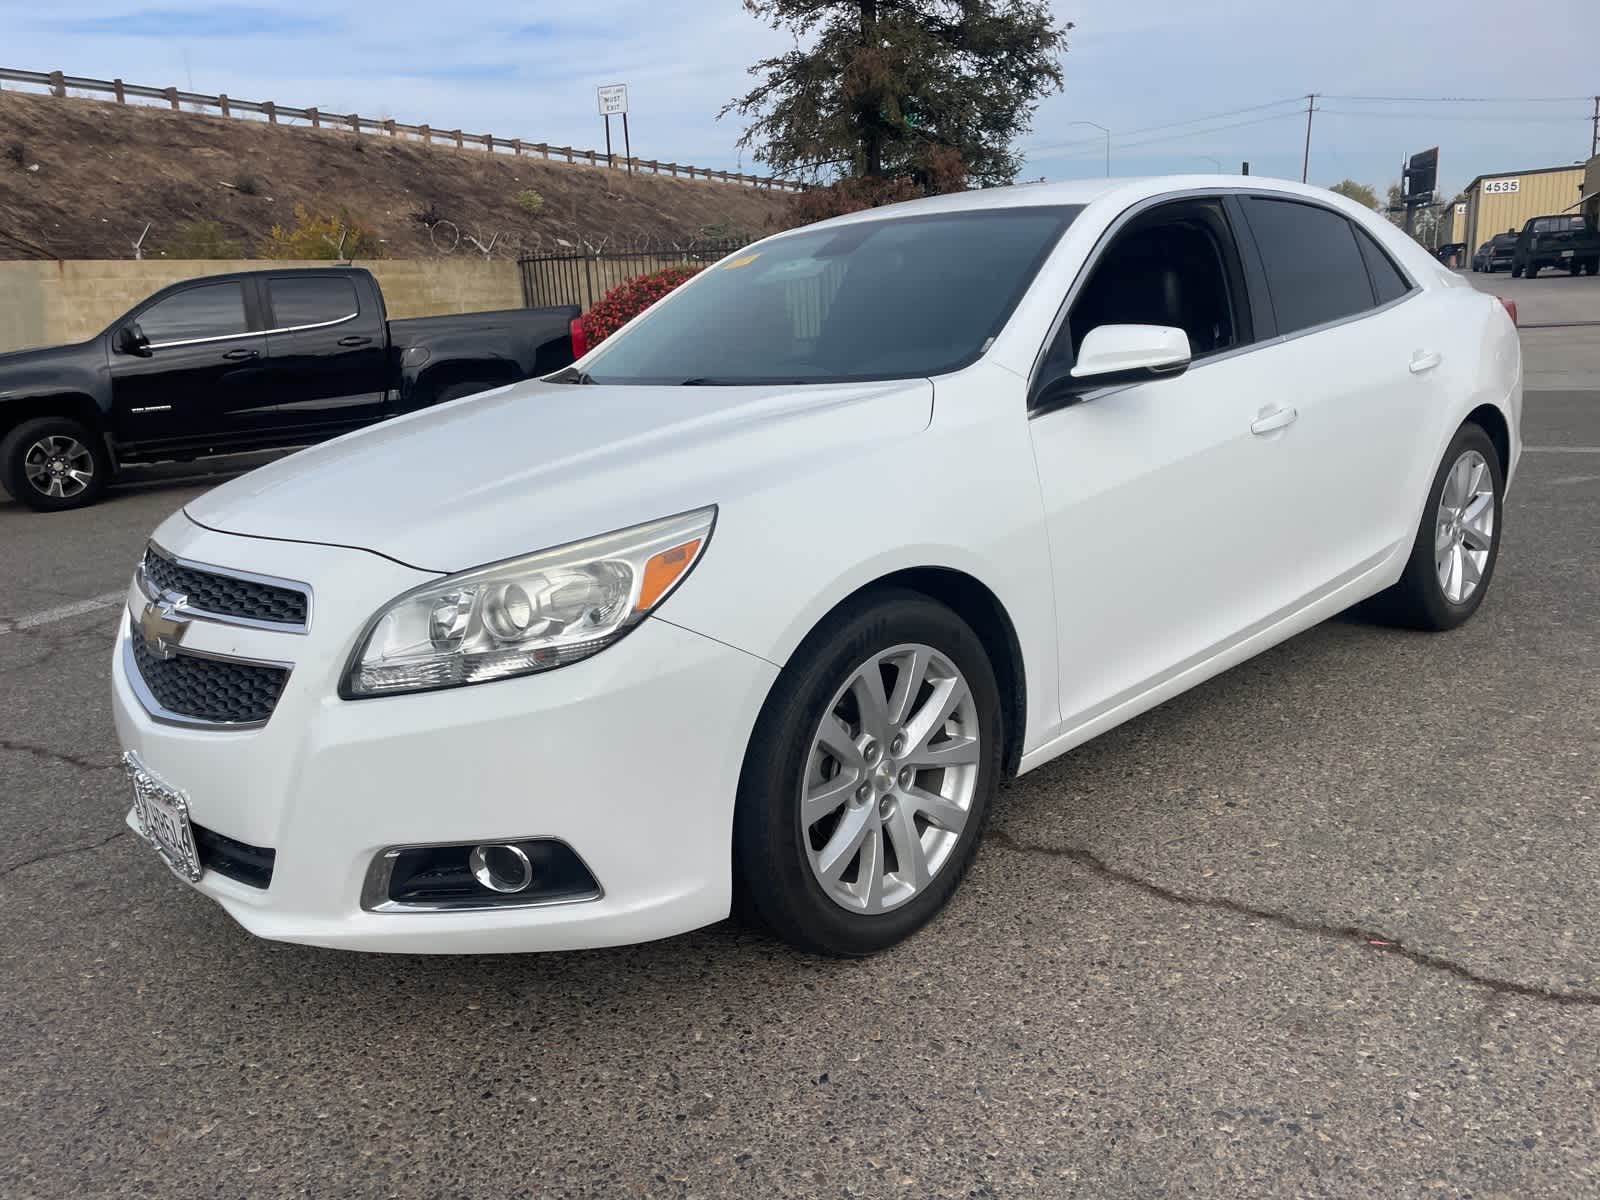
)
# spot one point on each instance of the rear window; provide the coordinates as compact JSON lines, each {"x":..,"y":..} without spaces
{"x":887,"y":299}
{"x":1315,"y":269}
{"x":1387,"y":281}
{"x":311,"y":301}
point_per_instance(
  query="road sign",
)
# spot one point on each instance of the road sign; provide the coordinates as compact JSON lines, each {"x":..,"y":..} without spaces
{"x":613,"y":98}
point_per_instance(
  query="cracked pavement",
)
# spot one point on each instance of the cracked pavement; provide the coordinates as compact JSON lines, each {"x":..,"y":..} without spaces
{"x":1325,"y":926}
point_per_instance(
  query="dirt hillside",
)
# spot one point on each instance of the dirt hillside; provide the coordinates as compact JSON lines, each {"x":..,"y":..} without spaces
{"x":79,"y":178}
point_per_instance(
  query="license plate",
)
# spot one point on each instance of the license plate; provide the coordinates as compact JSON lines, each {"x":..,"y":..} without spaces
{"x":162,"y":814}
{"x":1566,"y":254}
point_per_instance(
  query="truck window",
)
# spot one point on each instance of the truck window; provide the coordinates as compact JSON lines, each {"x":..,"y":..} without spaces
{"x":209,"y":311}
{"x":311,"y":301}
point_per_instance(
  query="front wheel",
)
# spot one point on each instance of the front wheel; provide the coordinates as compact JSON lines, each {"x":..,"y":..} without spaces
{"x":1458,"y":541}
{"x":869,"y":777}
{"x":53,"y":463}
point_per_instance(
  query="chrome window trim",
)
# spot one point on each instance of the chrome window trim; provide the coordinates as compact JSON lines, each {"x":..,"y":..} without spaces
{"x":221,"y":337}
{"x":181,"y":606}
{"x":1143,"y":206}
{"x":314,"y":325}
{"x":160,"y":713}
{"x":375,"y":887}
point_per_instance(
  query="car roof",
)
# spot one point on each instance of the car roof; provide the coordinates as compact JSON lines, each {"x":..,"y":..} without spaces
{"x":1083,"y":192}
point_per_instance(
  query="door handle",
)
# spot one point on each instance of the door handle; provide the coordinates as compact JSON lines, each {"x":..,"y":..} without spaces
{"x":1276,"y":419}
{"x":354,"y":340}
{"x":1425,"y":360}
{"x":241,"y":355}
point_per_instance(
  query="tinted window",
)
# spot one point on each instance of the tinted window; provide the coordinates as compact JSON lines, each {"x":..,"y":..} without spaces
{"x":1314,"y":267}
{"x":212,"y":310}
{"x":310,"y":301}
{"x":1387,"y":281}
{"x":883,"y":299}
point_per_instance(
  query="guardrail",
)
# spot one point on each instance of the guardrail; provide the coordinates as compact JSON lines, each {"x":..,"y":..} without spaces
{"x":57,"y":83}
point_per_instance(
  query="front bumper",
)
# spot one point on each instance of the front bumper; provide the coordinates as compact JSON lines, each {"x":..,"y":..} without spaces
{"x":631,"y":758}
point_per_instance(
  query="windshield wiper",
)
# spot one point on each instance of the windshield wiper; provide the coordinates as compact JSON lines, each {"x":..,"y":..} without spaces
{"x":706,"y":381}
{"x":571,"y":375}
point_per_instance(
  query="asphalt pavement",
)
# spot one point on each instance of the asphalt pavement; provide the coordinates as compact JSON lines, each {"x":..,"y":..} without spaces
{"x":1325,"y":926}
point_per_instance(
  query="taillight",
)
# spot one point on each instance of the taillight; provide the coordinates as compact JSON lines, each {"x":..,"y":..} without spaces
{"x":580,"y":343}
{"x":1510,"y":307}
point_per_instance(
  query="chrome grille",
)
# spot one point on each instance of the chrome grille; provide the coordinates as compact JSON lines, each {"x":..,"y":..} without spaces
{"x":224,"y":595}
{"x":208,"y":689}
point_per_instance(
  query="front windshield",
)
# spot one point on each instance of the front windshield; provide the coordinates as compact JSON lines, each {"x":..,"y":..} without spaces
{"x":897,"y":298}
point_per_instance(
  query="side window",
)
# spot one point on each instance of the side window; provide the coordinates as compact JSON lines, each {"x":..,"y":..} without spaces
{"x":1314,"y":268}
{"x":1175,"y":265}
{"x":211,"y":310}
{"x":1387,"y":281}
{"x":313,"y":301}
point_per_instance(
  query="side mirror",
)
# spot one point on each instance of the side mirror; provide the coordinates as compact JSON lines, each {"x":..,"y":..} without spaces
{"x":131,"y":340}
{"x":1119,"y":354}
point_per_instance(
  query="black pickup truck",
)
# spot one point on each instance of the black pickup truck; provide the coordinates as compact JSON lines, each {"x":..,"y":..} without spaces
{"x":1568,"y":243}
{"x":257,"y":360}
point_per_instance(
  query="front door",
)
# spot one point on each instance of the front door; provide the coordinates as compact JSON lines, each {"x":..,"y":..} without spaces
{"x":202,"y":384}
{"x":1159,"y":496}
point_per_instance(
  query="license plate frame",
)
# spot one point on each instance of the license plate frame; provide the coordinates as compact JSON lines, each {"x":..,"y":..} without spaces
{"x":161,"y":817}
{"x":1566,"y":254}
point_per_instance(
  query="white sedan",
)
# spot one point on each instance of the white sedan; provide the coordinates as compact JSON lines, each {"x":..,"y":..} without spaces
{"x":759,"y":602}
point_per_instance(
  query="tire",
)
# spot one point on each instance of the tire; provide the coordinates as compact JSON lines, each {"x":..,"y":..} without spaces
{"x":54,"y":463}
{"x":1516,"y":271}
{"x":781,"y":850}
{"x":1592,"y":267}
{"x":1529,"y":271}
{"x":1420,"y":599}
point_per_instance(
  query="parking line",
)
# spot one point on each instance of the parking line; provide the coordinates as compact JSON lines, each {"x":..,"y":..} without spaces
{"x":1562,"y":449}
{"x":62,"y":611}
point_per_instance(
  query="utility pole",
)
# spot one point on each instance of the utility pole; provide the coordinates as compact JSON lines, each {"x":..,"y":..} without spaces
{"x":1594,"y":138}
{"x":1305,"y":163}
{"x":1107,"y":133}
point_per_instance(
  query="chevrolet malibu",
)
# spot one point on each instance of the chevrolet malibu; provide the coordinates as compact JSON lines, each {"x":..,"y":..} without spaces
{"x":757,"y":604}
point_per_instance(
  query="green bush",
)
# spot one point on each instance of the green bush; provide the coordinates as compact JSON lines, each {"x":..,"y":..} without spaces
{"x":201,"y":239}
{"x":530,"y":201}
{"x":321,"y":236}
{"x":246,"y":185}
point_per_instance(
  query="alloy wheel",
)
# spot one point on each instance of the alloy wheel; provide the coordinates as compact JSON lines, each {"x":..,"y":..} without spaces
{"x":890,"y":778}
{"x":1464,"y":527}
{"x":59,"y":466}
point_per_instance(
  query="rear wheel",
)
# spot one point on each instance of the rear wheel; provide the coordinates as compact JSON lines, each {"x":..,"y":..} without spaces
{"x":1592,"y":267}
{"x":53,"y":463}
{"x":869,"y":777}
{"x":1458,"y":541}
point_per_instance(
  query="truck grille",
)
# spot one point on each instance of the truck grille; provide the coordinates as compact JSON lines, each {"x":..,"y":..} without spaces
{"x":225,"y":595}
{"x":208,"y":689}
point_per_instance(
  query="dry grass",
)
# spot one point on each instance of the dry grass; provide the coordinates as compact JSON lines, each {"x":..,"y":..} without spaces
{"x":105,"y":169}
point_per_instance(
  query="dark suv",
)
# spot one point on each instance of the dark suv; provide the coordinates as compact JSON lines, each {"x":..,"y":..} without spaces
{"x":1556,"y":241}
{"x":1495,"y":254}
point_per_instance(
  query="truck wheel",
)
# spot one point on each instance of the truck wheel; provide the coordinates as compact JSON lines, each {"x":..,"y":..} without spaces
{"x":1529,"y":271}
{"x":455,"y":391}
{"x":1592,"y":267}
{"x":53,"y":463}
{"x":1516,"y":271}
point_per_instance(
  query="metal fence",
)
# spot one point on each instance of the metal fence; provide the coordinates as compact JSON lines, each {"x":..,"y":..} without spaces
{"x":583,"y":276}
{"x":60,"y":84}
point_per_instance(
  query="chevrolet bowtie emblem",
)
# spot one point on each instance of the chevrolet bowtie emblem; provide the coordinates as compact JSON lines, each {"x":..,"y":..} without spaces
{"x":161,"y":628}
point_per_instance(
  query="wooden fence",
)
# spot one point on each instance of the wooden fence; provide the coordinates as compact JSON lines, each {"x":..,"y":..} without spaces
{"x":57,"y":83}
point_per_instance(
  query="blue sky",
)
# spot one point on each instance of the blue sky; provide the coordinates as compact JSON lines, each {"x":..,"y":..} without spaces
{"x":1146,"y":69}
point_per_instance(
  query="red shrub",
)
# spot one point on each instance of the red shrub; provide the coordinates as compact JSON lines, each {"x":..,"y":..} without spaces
{"x":627,"y":300}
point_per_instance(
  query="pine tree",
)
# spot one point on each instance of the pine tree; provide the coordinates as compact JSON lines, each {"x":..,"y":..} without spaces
{"x":930,"y":90}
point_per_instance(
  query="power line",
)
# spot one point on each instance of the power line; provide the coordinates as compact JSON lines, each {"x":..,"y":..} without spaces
{"x":1234,"y":112}
{"x":1459,"y":99}
{"x":1066,"y":151}
{"x":1404,"y":116}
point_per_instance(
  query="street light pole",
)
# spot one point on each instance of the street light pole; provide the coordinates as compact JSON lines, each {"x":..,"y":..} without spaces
{"x":1105,"y":131}
{"x":1216,"y":162}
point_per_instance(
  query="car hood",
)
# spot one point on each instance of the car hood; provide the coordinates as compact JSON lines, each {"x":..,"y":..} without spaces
{"x":19,"y":364}
{"x":539,"y":464}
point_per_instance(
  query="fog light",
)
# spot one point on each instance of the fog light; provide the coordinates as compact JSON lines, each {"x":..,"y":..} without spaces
{"x":501,"y":868}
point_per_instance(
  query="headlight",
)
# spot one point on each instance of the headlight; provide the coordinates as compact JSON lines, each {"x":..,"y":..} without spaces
{"x":527,"y":614}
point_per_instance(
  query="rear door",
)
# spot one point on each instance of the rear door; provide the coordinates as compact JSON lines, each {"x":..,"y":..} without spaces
{"x":328,"y":354}
{"x":1358,"y":360}
{"x":203,"y":382}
